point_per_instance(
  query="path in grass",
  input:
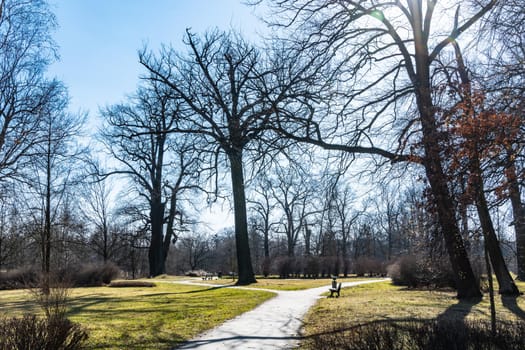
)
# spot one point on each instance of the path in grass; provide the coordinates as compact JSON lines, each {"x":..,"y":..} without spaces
{"x":275,"y":324}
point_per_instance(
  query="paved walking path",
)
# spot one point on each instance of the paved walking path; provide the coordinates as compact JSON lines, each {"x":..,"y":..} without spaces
{"x":275,"y":324}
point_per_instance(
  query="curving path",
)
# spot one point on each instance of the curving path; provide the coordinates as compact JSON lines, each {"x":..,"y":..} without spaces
{"x":275,"y":324}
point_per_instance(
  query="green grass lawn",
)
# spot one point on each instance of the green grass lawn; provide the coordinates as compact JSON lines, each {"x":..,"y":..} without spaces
{"x":386,"y":302}
{"x":161,"y":317}
{"x":275,"y":283}
{"x":142,"y":317}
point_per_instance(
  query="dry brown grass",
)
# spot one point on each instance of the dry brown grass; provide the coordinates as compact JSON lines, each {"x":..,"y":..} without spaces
{"x":385,"y":302}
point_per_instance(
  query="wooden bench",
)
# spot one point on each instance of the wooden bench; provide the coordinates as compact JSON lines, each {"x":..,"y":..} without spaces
{"x":335,"y":290}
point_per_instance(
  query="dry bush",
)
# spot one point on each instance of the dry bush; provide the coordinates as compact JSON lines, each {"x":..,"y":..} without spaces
{"x":405,"y":271}
{"x":266,"y":266}
{"x":52,"y":297}
{"x":415,"y":272}
{"x":423,"y":335}
{"x":92,"y":275}
{"x":52,"y":332}
{"x":196,"y":273}
{"x":30,"y":332}
{"x":284,"y":266}
{"x":368,"y":266}
{"x":19,"y":278}
{"x":312,"y":267}
{"x":123,"y":284}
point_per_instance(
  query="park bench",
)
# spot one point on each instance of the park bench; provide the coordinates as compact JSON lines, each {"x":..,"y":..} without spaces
{"x":335,"y":290}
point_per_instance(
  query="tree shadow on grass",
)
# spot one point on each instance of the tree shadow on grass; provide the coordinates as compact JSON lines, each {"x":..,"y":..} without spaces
{"x":460,"y":310}
{"x":511,"y":304}
{"x":203,"y":290}
{"x":83,"y":304}
{"x":237,"y":340}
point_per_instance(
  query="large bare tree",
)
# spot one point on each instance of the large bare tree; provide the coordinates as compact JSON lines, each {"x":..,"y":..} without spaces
{"x":505,"y":85}
{"x":227,"y":90}
{"x":161,"y":165}
{"x":384,"y":59}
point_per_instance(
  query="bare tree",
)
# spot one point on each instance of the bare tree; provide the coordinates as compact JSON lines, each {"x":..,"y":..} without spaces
{"x":96,"y":208}
{"x":475,"y":135}
{"x":294,"y":192}
{"x":342,"y":217}
{"x":160,"y":164}
{"x":224,"y":86}
{"x":25,"y":94}
{"x":262,"y":206}
{"x":383,"y":57}
{"x":504,"y":82}
{"x":53,"y":167}
{"x":196,"y":250}
{"x":11,"y":241}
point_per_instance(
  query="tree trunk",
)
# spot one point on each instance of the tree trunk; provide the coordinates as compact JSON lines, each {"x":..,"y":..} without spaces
{"x":506,"y":284}
{"x":170,"y":233}
{"x":307,"y":238}
{"x":244,"y":263}
{"x":290,"y":246}
{"x":466,"y":283}
{"x":46,"y":243}
{"x":518,"y":212}
{"x":344,"y":252}
{"x":491,"y":293}
{"x":266,"y":241}
{"x":105,"y":253}
{"x":155,"y":253}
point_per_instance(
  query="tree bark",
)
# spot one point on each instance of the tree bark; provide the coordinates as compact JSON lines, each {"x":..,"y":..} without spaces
{"x":290,"y":228}
{"x":155,"y":253}
{"x":466,"y":283}
{"x":46,"y":243}
{"x":518,"y":212}
{"x":506,"y":284}
{"x":244,"y":263}
{"x":307,"y":238}
{"x":170,"y":233}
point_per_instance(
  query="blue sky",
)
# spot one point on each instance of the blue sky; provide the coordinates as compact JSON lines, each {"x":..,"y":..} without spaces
{"x":99,"y":39}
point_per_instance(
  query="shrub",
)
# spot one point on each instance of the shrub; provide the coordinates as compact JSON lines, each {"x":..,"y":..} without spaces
{"x":266,"y":266}
{"x":53,"y":332}
{"x":31,"y":332}
{"x":405,"y":271}
{"x":123,"y":284}
{"x":19,"y":278}
{"x":413,"y":273}
{"x":196,"y":273}
{"x":423,"y":335}
{"x":312,"y":268}
{"x":285,"y":266}
{"x":368,"y":266}
{"x":93,"y":275}
{"x":347,"y":266}
{"x":52,"y":298}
